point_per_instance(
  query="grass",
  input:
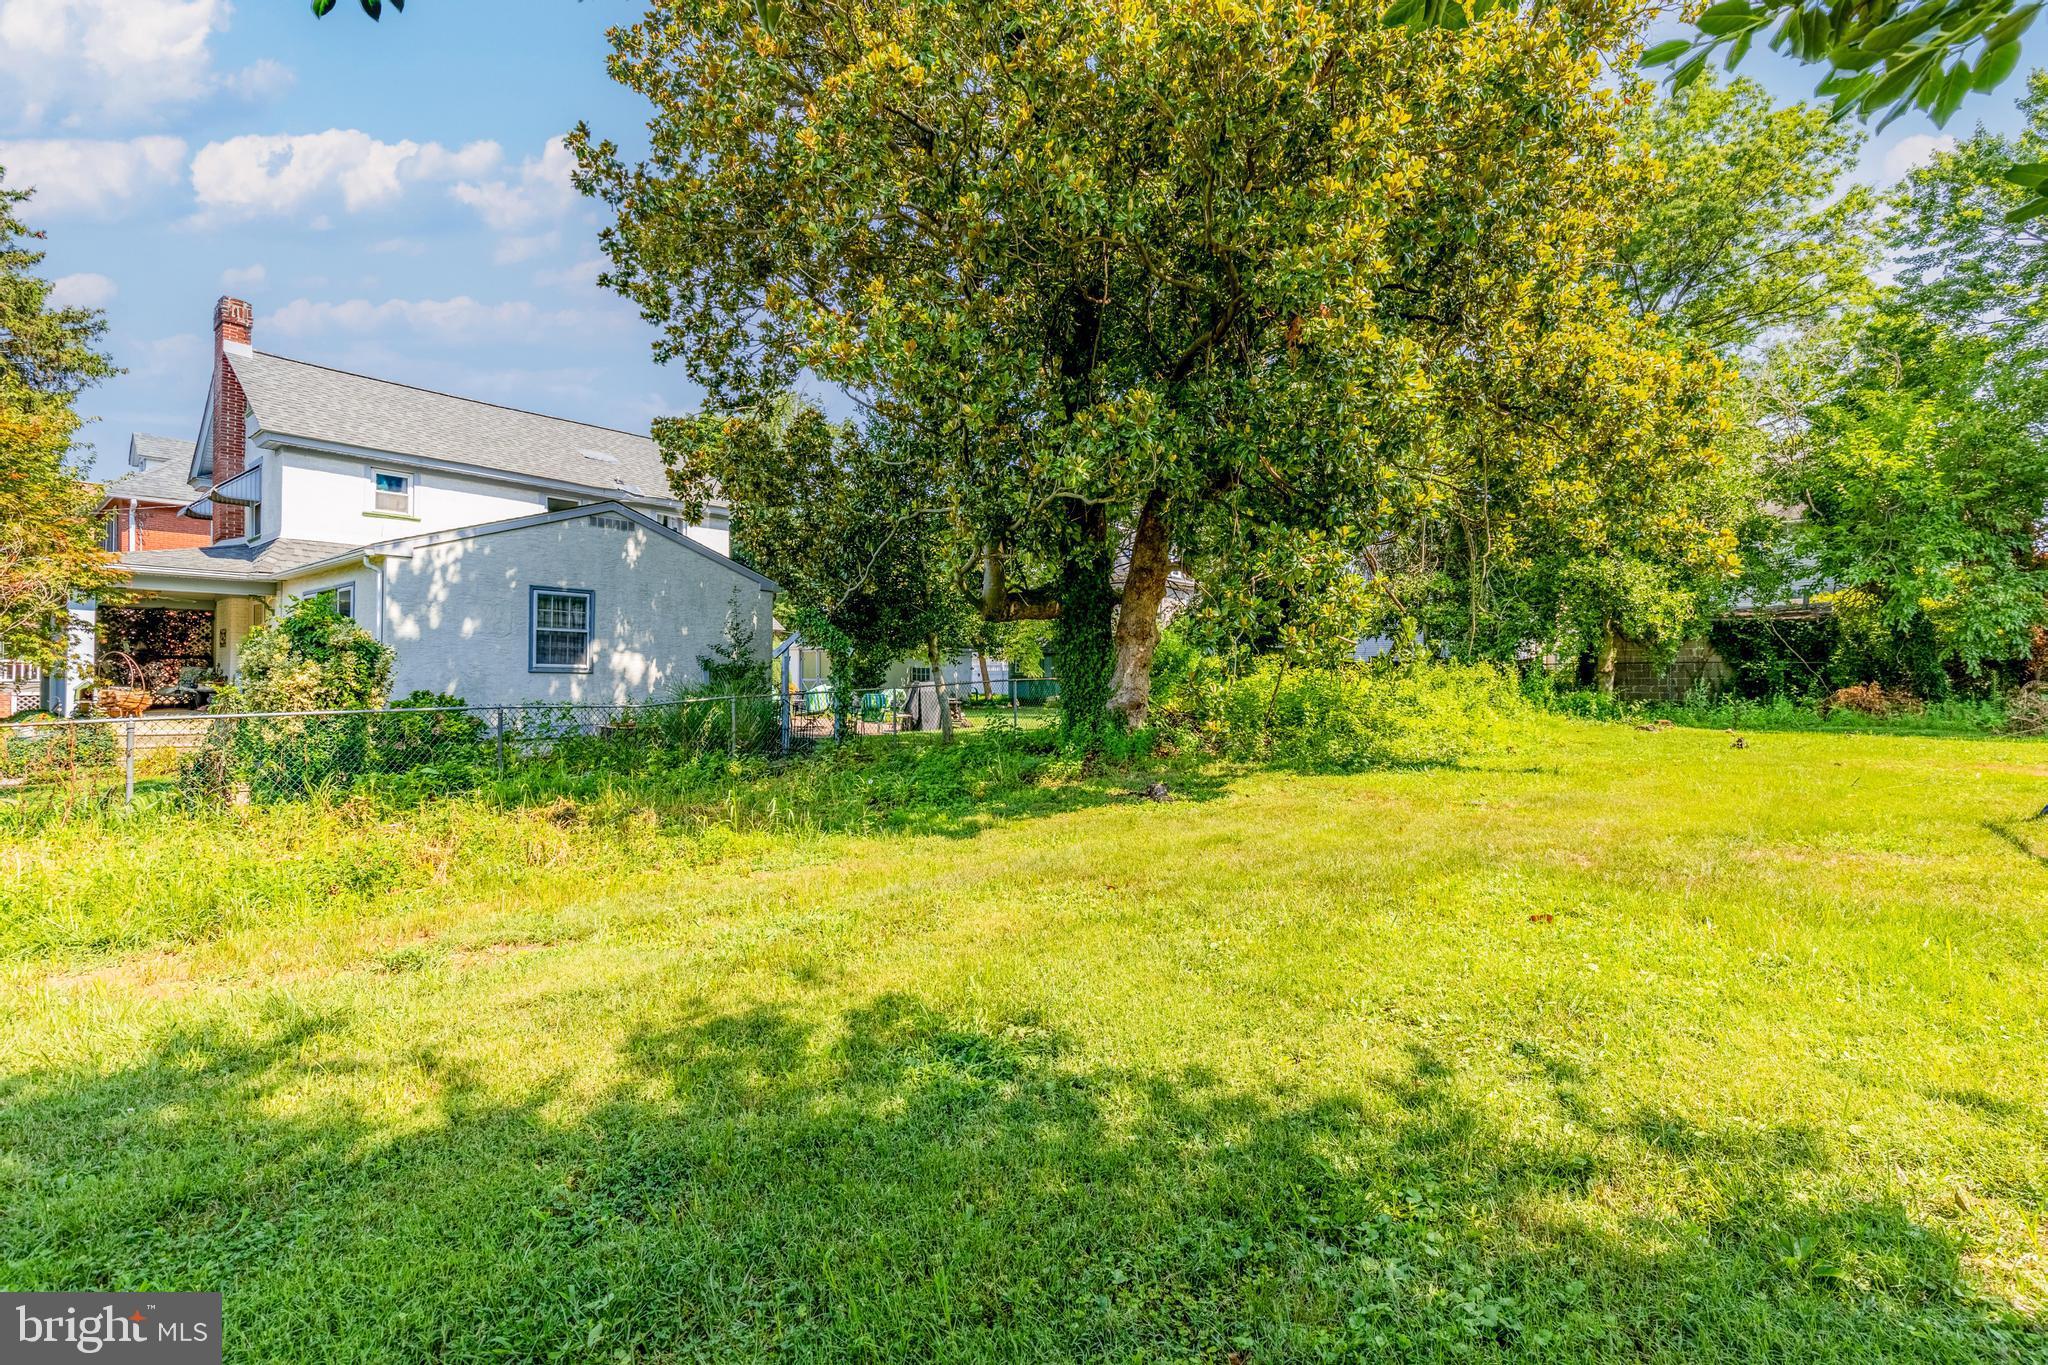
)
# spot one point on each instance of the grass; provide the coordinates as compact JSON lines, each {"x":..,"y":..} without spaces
{"x":1622,"y":1046}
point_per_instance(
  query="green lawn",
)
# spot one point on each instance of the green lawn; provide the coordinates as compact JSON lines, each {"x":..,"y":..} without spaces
{"x":1625,"y":1045}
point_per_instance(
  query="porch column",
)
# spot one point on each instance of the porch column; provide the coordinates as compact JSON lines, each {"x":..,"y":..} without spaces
{"x":81,"y":647}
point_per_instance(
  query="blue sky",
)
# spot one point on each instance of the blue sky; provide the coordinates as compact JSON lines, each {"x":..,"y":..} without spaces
{"x":391,"y":197}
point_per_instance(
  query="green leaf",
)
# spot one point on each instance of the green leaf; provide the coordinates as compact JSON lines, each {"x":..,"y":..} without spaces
{"x":1690,"y":72}
{"x":1728,"y":9}
{"x":2029,"y":175}
{"x":1891,"y":37}
{"x":1739,"y":49}
{"x":374,"y":8}
{"x":1995,"y":65}
{"x":1399,"y":12}
{"x":1726,"y":24}
{"x":2033,"y":208}
{"x":1847,"y":58}
{"x":2012,"y":26}
{"x":321,"y":7}
{"x":1954,"y":88}
{"x":1659,"y":55}
{"x":1894,"y":86}
{"x":398,"y":5}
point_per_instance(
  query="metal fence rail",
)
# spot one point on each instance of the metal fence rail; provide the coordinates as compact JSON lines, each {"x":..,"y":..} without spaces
{"x":265,"y":756}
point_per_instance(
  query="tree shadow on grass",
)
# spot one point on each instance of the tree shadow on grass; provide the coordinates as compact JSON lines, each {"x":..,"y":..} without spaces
{"x":893,"y":1183}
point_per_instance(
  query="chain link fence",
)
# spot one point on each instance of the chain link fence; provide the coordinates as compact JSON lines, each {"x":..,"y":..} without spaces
{"x":271,"y":756}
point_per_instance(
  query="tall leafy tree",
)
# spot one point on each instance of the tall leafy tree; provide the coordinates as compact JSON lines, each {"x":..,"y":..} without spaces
{"x":1917,"y":450}
{"x":1138,"y":279}
{"x":1752,"y":230}
{"x":1922,"y":479}
{"x":50,"y":541}
{"x":847,"y":522}
{"x":1964,"y":255}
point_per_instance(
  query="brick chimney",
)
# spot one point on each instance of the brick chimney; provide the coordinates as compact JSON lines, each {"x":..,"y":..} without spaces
{"x":232,"y":319}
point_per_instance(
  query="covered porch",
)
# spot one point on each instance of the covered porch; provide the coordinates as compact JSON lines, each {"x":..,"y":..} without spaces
{"x":179,"y":641}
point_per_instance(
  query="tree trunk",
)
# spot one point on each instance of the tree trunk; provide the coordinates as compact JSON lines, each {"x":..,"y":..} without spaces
{"x":1137,"y":622}
{"x":988,"y":689}
{"x":1610,"y":651}
{"x":1081,"y":645}
{"x":939,"y":691}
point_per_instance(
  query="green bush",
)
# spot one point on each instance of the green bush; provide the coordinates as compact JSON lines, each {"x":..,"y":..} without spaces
{"x":432,"y":735}
{"x":1350,"y":717}
{"x":42,"y":751}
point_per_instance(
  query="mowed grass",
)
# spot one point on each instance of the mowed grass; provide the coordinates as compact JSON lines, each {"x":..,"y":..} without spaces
{"x":1621,"y":1046}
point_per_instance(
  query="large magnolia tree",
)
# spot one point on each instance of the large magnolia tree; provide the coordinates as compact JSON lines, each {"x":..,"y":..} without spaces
{"x":1144,"y":277}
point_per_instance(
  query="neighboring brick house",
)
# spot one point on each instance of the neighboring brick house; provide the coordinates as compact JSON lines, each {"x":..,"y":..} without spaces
{"x":143,"y":508}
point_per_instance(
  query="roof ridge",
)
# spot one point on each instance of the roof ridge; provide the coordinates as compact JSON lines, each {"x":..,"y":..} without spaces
{"x":460,"y":398}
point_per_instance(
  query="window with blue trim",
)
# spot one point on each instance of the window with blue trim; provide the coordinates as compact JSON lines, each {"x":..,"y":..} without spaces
{"x":560,"y":633}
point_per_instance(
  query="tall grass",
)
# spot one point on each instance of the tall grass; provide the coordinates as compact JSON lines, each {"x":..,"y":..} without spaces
{"x":1349,"y":718}
{"x":104,"y":877}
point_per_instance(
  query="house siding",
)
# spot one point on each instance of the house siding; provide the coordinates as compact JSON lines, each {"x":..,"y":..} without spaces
{"x":458,"y":615}
{"x":311,"y":495}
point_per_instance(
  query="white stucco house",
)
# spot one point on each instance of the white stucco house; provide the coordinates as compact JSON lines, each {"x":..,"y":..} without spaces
{"x":505,"y":556}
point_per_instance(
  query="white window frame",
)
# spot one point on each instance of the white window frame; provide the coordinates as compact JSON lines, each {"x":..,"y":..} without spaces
{"x":341,"y":596}
{"x":252,"y":521}
{"x":377,"y":494}
{"x":533,"y":628}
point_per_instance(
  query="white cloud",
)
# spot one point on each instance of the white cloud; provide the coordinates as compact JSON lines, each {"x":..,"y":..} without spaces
{"x":80,"y":175}
{"x":258,"y":174}
{"x":539,"y":192}
{"x":262,"y":79}
{"x":97,"y":61}
{"x":244,"y":277}
{"x":178,"y":356}
{"x":577,"y":275}
{"x":82,"y":291}
{"x":1911,"y":153}
{"x":512,"y":250}
{"x":459,"y":318}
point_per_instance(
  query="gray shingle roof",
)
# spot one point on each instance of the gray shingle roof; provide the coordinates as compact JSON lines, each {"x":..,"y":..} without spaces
{"x":164,"y":479}
{"x":260,"y":563}
{"x":156,"y":449}
{"x":296,"y":398}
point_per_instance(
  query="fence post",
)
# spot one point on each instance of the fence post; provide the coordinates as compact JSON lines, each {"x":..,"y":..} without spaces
{"x":128,"y":760}
{"x":787,"y":719}
{"x":1015,"y":719}
{"x":732,"y":727}
{"x":501,"y":741}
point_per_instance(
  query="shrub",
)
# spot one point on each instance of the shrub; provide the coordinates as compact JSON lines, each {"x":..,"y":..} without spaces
{"x":1350,"y":717}
{"x":438,"y":733}
{"x":42,"y":751}
{"x":2026,"y":710}
{"x":1871,"y":699}
{"x":308,"y":657}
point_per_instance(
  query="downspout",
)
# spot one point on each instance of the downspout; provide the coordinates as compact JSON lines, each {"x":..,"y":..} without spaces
{"x":377,"y":574}
{"x":132,"y":545}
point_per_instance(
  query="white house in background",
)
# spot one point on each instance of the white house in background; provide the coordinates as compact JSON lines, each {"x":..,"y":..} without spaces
{"x":505,"y":556}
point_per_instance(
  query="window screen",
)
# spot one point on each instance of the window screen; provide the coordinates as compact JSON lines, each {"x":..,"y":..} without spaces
{"x":561,"y":630}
